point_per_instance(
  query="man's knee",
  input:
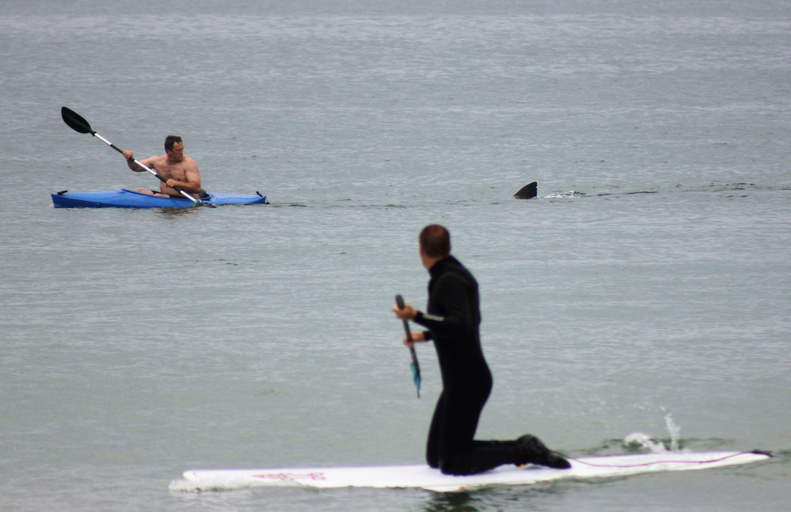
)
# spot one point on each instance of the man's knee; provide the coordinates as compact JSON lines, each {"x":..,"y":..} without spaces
{"x":452,"y":466}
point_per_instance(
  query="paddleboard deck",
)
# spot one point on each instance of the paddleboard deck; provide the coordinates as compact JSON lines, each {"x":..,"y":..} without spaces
{"x":422,"y":477}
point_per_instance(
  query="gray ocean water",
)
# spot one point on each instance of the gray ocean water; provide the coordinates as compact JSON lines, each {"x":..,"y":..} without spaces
{"x":646,"y":290}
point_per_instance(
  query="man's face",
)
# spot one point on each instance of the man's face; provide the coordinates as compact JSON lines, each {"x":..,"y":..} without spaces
{"x":177,"y":153}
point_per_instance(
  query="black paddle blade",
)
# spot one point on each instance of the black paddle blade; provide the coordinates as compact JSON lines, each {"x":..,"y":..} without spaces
{"x":75,"y":121}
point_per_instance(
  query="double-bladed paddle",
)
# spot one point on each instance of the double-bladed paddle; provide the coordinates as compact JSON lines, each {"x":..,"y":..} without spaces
{"x":78,"y":123}
{"x":415,"y":366}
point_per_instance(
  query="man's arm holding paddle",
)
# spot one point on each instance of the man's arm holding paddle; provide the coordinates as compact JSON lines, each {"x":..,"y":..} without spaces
{"x":133,"y":164}
{"x":409,"y":313}
{"x":186,"y":166}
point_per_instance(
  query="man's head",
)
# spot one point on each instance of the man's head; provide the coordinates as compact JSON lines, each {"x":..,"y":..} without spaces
{"x":170,"y":140}
{"x":174,"y":147}
{"x":434,"y":244}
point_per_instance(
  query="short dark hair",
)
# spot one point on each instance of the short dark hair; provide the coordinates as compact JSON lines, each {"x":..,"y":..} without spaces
{"x":170,"y":140}
{"x":435,"y":241}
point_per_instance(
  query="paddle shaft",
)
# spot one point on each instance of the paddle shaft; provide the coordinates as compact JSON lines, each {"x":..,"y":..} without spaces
{"x":400,"y":303}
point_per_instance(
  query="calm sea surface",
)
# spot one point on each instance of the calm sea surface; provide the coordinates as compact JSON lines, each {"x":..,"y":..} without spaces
{"x":647,"y":290}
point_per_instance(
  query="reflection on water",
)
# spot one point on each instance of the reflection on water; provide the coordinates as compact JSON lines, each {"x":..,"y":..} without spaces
{"x":533,"y":497}
{"x":177,"y":212}
{"x":452,"y":502}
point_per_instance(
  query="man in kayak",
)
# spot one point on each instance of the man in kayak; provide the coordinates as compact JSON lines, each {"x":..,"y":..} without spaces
{"x":452,"y":320}
{"x":174,"y":166}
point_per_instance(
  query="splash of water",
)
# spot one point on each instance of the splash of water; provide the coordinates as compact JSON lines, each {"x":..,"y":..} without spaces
{"x":674,"y":430}
{"x":640,"y":441}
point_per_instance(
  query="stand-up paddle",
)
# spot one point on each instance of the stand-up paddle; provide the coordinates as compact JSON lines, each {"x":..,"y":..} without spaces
{"x":415,"y":366}
{"x":78,"y":123}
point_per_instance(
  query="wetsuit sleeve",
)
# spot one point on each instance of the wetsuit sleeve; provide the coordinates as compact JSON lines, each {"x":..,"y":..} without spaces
{"x":451,"y":297}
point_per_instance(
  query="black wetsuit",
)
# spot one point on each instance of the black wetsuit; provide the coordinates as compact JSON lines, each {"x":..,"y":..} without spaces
{"x":452,"y":318}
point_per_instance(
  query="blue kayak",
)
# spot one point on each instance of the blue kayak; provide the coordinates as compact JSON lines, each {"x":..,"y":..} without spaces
{"x":124,"y":198}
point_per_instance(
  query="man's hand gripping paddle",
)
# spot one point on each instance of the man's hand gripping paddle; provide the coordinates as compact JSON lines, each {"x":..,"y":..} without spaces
{"x":415,"y":366}
{"x":78,"y":123}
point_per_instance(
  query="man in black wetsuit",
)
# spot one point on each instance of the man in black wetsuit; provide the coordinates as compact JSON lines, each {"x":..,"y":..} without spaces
{"x":452,"y":321}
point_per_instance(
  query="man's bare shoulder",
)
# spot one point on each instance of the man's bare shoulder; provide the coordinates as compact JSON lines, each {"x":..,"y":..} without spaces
{"x":158,"y":159}
{"x":190,"y":161}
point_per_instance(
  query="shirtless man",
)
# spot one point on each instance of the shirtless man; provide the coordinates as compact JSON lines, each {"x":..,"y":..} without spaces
{"x":177,"y":169}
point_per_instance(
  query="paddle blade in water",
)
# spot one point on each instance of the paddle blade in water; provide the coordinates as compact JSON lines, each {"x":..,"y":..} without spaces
{"x":75,"y":121}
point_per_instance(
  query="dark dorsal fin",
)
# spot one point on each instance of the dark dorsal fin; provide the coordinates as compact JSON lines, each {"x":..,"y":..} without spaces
{"x":529,"y":191}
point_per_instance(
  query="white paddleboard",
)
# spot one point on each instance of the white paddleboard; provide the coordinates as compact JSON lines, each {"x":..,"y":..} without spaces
{"x":422,"y":477}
